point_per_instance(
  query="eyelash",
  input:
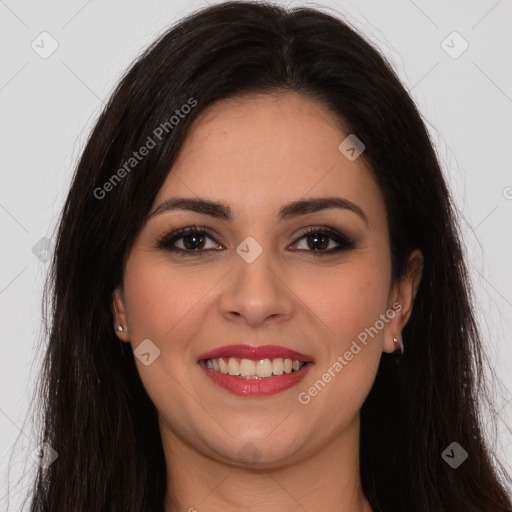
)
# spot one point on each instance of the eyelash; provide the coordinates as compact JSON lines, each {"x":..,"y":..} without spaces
{"x":166,"y":241}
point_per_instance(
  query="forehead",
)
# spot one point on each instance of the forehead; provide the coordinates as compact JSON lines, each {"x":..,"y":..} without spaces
{"x":263,"y":150}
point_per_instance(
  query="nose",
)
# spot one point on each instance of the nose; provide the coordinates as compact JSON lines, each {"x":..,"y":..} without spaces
{"x":257,"y":292}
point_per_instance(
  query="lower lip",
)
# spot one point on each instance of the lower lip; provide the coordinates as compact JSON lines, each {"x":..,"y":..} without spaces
{"x":256,"y":387}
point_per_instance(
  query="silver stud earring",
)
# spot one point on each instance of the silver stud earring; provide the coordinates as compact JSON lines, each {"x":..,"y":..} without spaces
{"x":399,"y":343}
{"x":120,"y":328}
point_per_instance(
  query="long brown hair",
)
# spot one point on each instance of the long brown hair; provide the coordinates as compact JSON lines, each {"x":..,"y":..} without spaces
{"x":95,"y":411}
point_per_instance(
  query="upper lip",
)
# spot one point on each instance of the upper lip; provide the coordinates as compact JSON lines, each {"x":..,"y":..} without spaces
{"x":255,"y":352}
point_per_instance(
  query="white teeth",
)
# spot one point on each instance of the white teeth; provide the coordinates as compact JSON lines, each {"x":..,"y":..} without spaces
{"x":264,"y":368}
{"x":223,"y":366}
{"x":233,"y":366}
{"x":251,"y":369}
{"x":247,"y":367}
{"x":277,"y":366}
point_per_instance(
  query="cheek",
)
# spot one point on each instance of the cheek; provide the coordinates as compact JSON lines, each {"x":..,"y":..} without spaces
{"x":169,"y":307}
{"x":164,"y":306}
{"x":348,"y":300}
{"x":348,"y":303}
{"x":158,"y":300}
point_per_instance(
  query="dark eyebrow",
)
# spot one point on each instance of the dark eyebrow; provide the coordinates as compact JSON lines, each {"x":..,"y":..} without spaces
{"x":290,"y":210}
{"x":316,"y":204}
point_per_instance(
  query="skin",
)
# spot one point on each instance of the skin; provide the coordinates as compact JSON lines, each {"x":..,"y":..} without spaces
{"x":255,"y":154}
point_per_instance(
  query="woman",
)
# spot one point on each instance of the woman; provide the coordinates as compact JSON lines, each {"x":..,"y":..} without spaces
{"x":260,"y":218}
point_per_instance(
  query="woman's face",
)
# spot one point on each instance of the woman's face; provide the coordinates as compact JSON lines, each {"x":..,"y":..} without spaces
{"x":259,"y":281}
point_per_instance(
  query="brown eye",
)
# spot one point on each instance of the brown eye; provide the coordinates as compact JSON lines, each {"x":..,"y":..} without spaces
{"x":318,"y":242}
{"x":192,"y":239}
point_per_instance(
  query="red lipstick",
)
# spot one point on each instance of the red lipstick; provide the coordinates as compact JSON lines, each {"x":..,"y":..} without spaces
{"x":255,"y":387}
{"x":256,"y":353}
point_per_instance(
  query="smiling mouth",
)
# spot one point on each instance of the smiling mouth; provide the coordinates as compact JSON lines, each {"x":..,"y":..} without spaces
{"x":253,"y":369}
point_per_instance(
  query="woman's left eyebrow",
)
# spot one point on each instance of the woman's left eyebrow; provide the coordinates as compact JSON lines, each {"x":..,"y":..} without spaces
{"x":290,"y":210}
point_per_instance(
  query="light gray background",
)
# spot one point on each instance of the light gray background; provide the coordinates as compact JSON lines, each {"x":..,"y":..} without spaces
{"x":48,"y":106}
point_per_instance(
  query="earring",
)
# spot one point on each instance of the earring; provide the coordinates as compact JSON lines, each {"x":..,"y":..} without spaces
{"x":120,"y":328}
{"x":399,"y":343}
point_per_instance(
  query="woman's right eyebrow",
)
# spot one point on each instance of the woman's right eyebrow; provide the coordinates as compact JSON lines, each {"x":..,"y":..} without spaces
{"x":222,"y":211}
{"x":204,"y":206}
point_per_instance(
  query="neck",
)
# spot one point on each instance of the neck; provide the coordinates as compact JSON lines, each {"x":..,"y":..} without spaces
{"x":326,"y":480}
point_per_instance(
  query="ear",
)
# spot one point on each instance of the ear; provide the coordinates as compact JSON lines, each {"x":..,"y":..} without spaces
{"x":119,"y":314}
{"x":401,"y":300}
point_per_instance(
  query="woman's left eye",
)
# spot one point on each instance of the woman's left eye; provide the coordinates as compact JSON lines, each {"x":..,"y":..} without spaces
{"x":318,"y":241}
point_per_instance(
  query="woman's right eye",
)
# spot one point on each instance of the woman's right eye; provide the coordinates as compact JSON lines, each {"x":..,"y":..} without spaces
{"x":192,"y":238}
